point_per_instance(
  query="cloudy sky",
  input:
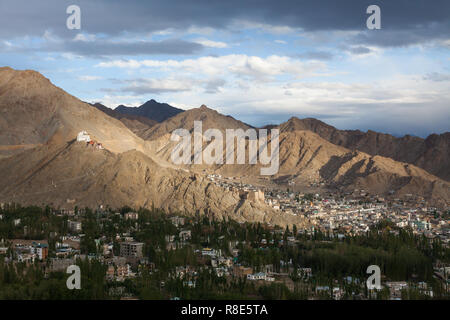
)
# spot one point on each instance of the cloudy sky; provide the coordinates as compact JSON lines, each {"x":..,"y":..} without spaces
{"x":259,"y":61}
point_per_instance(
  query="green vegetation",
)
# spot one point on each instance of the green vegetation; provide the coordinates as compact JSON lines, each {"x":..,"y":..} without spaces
{"x":400,"y":254}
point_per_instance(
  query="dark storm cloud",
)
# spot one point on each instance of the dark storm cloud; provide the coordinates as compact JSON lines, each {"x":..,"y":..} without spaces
{"x":436,"y":76}
{"x":403,"y":21}
{"x":359,"y":50}
{"x":404,"y":37}
{"x":99,"y":48}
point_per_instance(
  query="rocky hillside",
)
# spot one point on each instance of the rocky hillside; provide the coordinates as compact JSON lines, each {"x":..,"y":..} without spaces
{"x":55,"y":169}
{"x":40,"y":161}
{"x":209,"y":118}
{"x":74,"y":173}
{"x":431,"y":154}
{"x":35,"y":112}
{"x":137,"y":124}
{"x":305,"y":157}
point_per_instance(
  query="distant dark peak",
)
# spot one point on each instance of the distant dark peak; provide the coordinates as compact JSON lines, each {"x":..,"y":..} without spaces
{"x":203,"y":107}
{"x":152,"y":110}
{"x":98,"y":105}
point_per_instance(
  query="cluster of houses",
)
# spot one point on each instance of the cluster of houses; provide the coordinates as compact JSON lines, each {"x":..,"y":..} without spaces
{"x":244,"y":190}
{"x":129,"y":259}
{"x":26,"y":251}
{"x":349,"y":212}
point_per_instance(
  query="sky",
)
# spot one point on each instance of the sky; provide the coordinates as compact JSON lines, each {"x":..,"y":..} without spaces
{"x":260,"y":61}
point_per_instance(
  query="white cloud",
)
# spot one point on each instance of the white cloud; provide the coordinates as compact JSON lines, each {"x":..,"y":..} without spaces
{"x":212,"y":44}
{"x":89,"y":78}
{"x":70,"y":56}
{"x":48,"y":36}
{"x":112,"y":101}
{"x":240,"y":25}
{"x":445,"y":43}
{"x":239,"y":65}
{"x":200,"y":30}
{"x":156,"y":86}
{"x":401,"y":99}
{"x":252,"y":87}
{"x":84,"y":37}
{"x":165,"y":32}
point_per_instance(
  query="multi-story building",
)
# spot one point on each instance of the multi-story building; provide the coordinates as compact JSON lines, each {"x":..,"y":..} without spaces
{"x":131,"y":249}
{"x":41,"y":250}
{"x":131,"y":216}
{"x":74,"y":226}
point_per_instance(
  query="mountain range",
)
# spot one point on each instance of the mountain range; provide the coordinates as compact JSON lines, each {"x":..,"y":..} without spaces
{"x":152,"y":110}
{"x":431,"y":154}
{"x":42,"y":163}
{"x":137,"y":124}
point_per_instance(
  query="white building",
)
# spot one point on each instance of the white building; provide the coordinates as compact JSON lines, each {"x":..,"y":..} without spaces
{"x":260,"y":276}
{"x":210,"y":252}
{"x":185,"y":235}
{"x":83,"y":136}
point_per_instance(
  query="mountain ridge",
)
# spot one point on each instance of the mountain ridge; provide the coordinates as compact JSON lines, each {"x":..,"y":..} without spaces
{"x":40,"y":122}
{"x":430,"y":154}
{"x":137,"y":124}
{"x":152,"y":110}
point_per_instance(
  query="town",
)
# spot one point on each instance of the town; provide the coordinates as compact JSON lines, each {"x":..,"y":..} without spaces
{"x":148,"y":254}
{"x":347,"y":213}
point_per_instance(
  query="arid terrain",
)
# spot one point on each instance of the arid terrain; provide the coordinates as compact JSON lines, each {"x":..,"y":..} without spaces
{"x":41,"y":161}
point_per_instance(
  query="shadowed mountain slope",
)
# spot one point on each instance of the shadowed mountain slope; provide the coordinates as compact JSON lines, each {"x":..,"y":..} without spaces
{"x":431,"y":154}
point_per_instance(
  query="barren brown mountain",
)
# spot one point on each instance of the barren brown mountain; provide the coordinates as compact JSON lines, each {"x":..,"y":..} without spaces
{"x":42,"y":162}
{"x":210,"y":119}
{"x":80,"y":174}
{"x":35,"y":112}
{"x":137,"y":124}
{"x":54,"y":168}
{"x":305,"y":157}
{"x":431,"y":154}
